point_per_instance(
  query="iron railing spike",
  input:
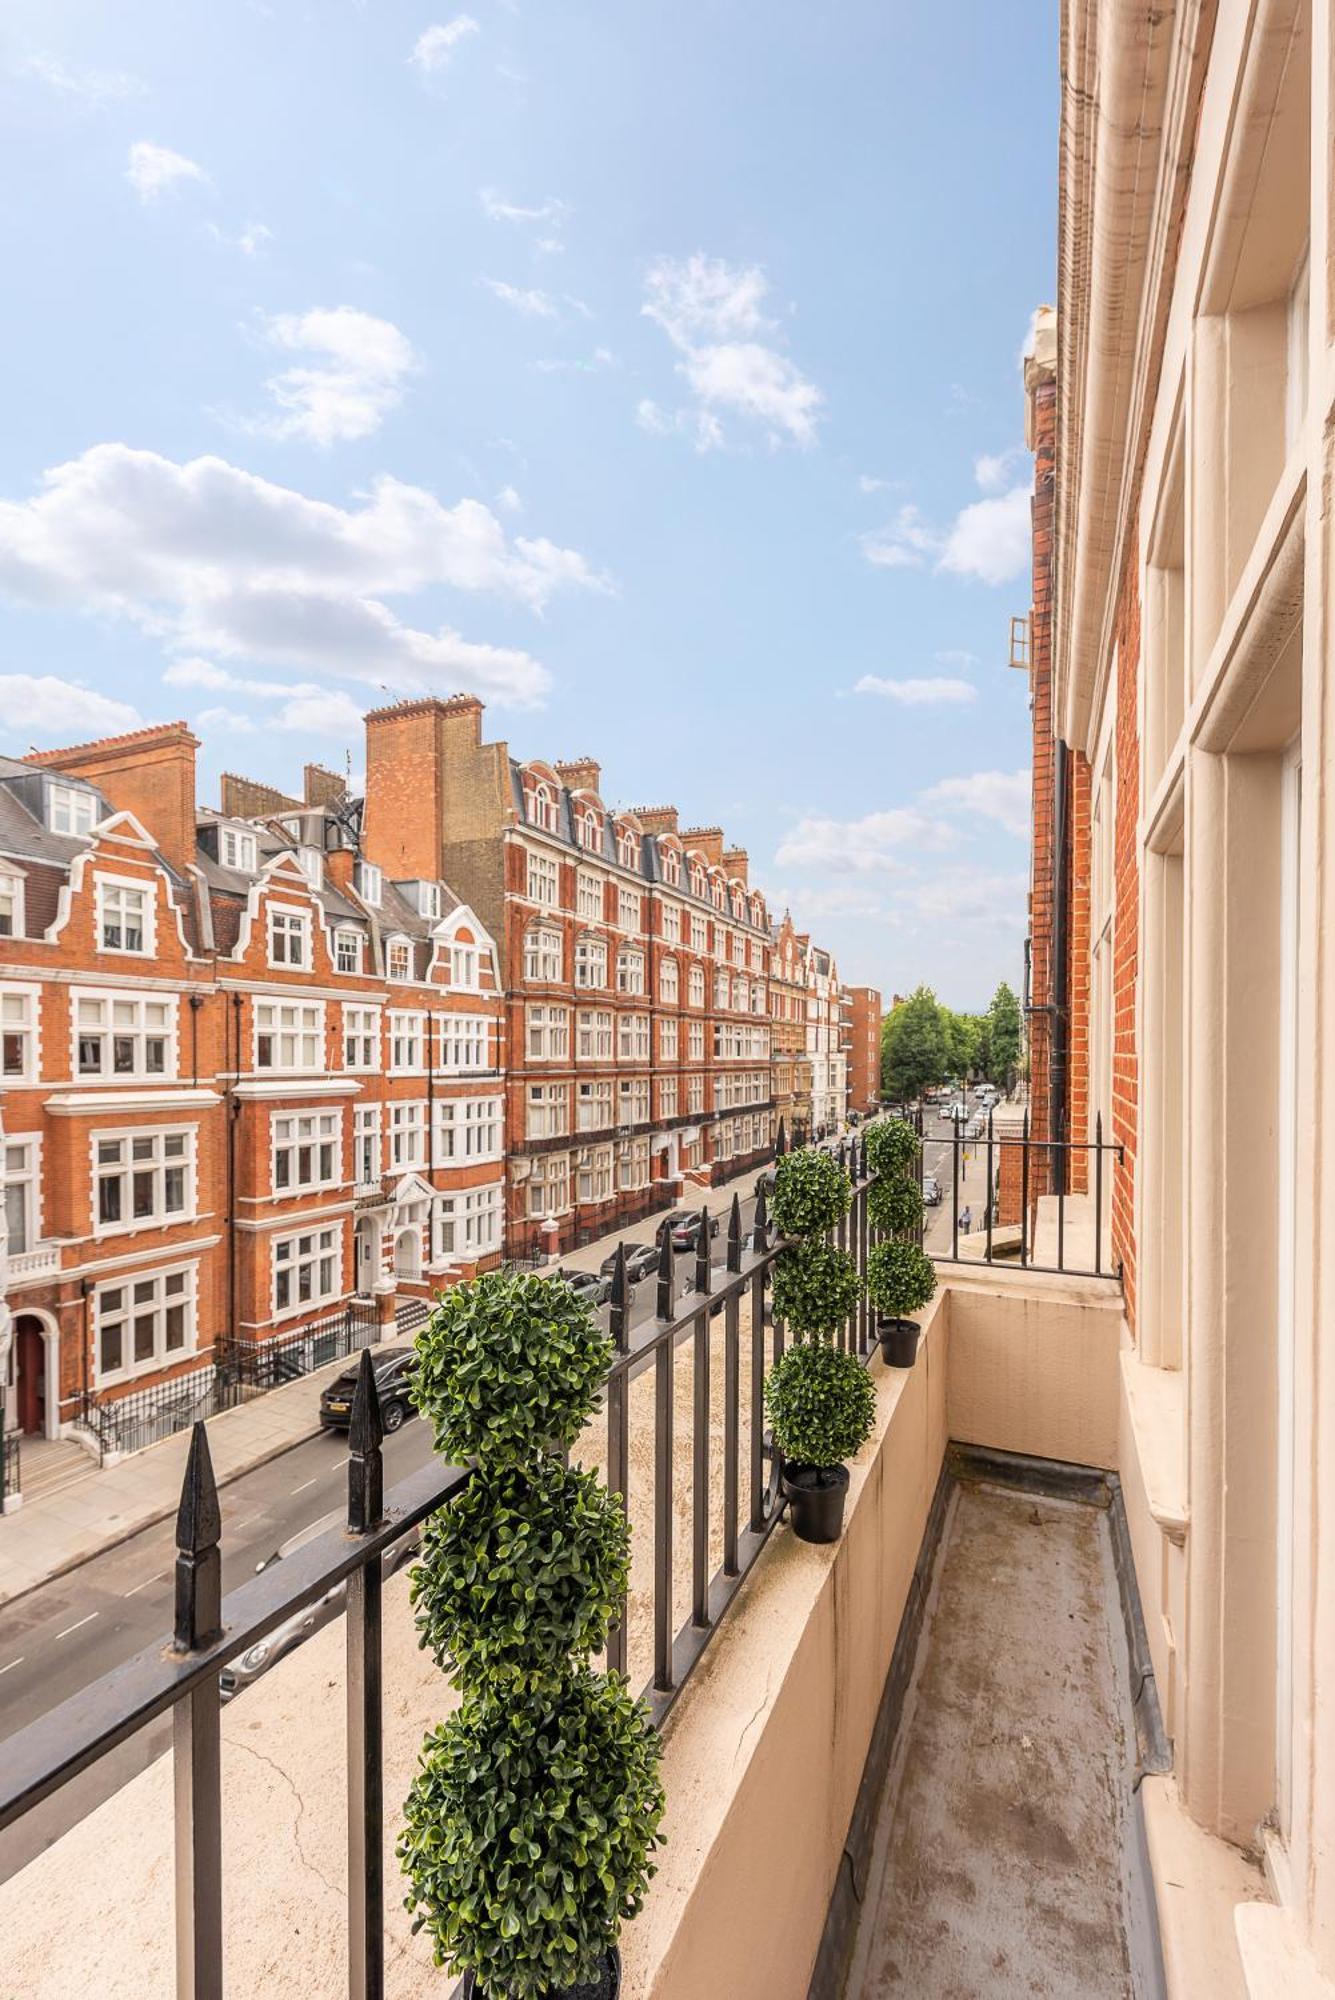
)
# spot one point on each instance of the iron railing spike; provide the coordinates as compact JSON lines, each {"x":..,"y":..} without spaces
{"x":735,"y":1234}
{"x":366,"y":1476}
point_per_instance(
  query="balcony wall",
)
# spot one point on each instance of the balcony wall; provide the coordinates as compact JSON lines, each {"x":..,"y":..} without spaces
{"x":764,"y":1751}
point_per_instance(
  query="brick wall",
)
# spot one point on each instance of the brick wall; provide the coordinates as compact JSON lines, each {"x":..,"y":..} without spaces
{"x":1043,"y":431}
{"x":1078,"y":860}
{"x":1126,"y":924}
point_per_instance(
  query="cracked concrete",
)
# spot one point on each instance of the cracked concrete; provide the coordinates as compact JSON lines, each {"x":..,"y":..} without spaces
{"x":1001,"y":1862}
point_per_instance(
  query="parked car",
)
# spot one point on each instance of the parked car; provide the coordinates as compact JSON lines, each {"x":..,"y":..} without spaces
{"x":931,"y":1190}
{"x":591,"y":1286}
{"x":391,"y":1367}
{"x":247,"y":1668}
{"x":641,"y":1262}
{"x":958,"y":1111}
{"x":686,"y":1233}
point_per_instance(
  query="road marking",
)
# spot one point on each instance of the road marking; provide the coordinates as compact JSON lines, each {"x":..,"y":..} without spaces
{"x":13,"y":1663}
{"x":237,"y":1526}
{"x":75,"y":1626}
{"x":304,"y":1484}
{"x":142,"y":1586}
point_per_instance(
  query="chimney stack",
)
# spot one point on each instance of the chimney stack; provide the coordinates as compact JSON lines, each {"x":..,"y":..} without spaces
{"x":147,"y":772}
{"x":736,"y":861}
{"x":656,"y":819}
{"x":581,"y":774}
{"x":709,"y":840}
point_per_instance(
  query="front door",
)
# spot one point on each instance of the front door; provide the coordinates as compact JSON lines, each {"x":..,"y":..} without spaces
{"x":365,"y":1257}
{"x":30,"y":1350}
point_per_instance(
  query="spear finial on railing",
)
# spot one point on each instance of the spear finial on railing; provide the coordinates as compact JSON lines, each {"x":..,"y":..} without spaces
{"x":702,"y":1253}
{"x":366,"y":1470}
{"x":198,"y":1558}
{"x":735,"y":1235}
{"x":619,"y":1301}
{"x":780,"y":1141}
{"x":760,"y":1226}
{"x":666,"y":1276}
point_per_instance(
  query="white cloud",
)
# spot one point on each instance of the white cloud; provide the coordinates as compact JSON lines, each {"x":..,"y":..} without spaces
{"x":509,"y":499}
{"x":153,"y":171}
{"x":1003,"y":796}
{"x":868,"y":483}
{"x":436,"y":45}
{"x":211,"y":559}
{"x":993,"y":468}
{"x":956,"y":656}
{"x":249,"y":240}
{"x":918,"y":693}
{"x":44,"y":705}
{"x":991,"y":539}
{"x":233,"y":720}
{"x":711,"y":312}
{"x":497,"y":209}
{"x":531,"y":304}
{"x":905,"y":543}
{"x":877,"y":843}
{"x":331,"y":713}
{"x":701,"y":426}
{"x":601,"y":359}
{"x":87,"y":86}
{"x":356,"y":375}
{"x":969,"y":897}
{"x":306,"y":709}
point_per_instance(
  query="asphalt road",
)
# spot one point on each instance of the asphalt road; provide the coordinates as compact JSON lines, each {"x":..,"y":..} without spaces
{"x":58,"y":1638}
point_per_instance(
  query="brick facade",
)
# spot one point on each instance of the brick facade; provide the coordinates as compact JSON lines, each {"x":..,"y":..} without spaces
{"x":864,"y":1064}
{"x":1126,"y":926}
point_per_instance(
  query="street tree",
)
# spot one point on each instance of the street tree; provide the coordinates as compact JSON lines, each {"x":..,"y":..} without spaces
{"x":914,"y":1045}
{"x":1005,"y":1030}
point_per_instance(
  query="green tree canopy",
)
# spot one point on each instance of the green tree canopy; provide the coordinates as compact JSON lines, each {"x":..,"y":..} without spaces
{"x":1005,"y":1033}
{"x":914,"y":1045}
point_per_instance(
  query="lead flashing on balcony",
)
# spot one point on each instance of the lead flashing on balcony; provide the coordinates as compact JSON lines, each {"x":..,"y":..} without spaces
{"x":265,"y":1088}
{"x":86,"y":1103}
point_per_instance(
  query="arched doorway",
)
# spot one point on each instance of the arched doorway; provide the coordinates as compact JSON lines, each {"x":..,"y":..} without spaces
{"x":366,"y":1256}
{"x":36,"y":1375}
{"x":408,"y":1253}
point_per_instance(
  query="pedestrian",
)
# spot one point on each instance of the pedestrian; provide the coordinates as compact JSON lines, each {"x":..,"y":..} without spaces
{"x":966,"y":1220}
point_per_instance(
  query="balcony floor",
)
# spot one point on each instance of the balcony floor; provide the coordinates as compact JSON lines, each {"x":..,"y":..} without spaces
{"x":1004,"y":1862}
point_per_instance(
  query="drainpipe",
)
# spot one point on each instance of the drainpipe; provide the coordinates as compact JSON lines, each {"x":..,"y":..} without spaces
{"x":233,"y":1113}
{"x":196,"y":1002}
{"x":1061,"y":890}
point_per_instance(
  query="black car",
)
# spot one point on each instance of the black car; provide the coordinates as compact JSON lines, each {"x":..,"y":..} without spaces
{"x":686,"y":1231}
{"x":931,"y":1190}
{"x":591,"y":1286}
{"x":641,"y":1262}
{"x":391,"y":1367}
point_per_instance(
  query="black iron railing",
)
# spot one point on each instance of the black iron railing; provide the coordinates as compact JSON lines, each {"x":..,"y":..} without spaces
{"x":11,"y":1477}
{"x":1038,"y":1202}
{"x":140,"y":1417}
{"x":208,"y":1632}
{"x":285,"y":1357}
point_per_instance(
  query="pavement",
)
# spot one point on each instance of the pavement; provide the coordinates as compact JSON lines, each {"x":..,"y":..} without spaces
{"x":54,"y":1533}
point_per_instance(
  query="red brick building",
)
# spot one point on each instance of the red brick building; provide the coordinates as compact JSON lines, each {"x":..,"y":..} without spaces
{"x":635,"y":966}
{"x":864,"y":1047}
{"x":248,"y":1075}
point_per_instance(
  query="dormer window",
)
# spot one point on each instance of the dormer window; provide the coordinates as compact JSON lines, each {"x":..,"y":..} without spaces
{"x":292,"y":827}
{"x":312,"y":865}
{"x":588,"y":829}
{"x":672,"y":867}
{"x":11,"y":905}
{"x":369,"y":883}
{"x":238,"y":849}
{"x":428,"y":900}
{"x":628,"y":848}
{"x":697,"y":879}
{"x":399,"y":959}
{"x":72,"y":809}
{"x":543,"y":808}
{"x":348,"y":950}
{"x":289,"y":937}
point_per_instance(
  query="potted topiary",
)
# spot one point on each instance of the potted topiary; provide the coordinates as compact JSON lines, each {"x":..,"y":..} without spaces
{"x":901,"y":1278}
{"x":816,"y":1287}
{"x":530,"y":1826}
{"x":821,"y":1406}
{"x":812,"y":1193}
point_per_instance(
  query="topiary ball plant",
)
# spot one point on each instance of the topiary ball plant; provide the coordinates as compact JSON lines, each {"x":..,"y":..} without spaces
{"x":528,"y":1835}
{"x":894,"y":1204}
{"x":508,"y":1366}
{"x":821,"y":1406}
{"x":892,"y":1147}
{"x":812,"y":1193}
{"x":520,"y":1571}
{"x":901,"y":1278}
{"x":816,"y":1287}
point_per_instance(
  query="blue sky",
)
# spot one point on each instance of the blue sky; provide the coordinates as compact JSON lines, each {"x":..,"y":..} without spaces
{"x":652,"y":371}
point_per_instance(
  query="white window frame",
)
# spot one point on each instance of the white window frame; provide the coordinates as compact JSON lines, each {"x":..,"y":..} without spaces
{"x":347,"y":944}
{"x":630,"y":972}
{"x":238,"y":849}
{"x":313,"y":1138}
{"x":590,"y":962}
{"x":547,"y":1111}
{"x":595,"y":1105}
{"x":595,"y":1027}
{"x":593,"y":1176}
{"x":667,"y":1097}
{"x":671,"y":866}
{"x":300,"y":1021}
{"x":72,"y":809}
{"x":112,"y":894}
{"x":367,"y":1160}
{"x":399,"y":960}
{"x":144,"y":1157}
{"x":633,"y":1100}
{"x":544,"y":955}
{"x":479,"y":1213}
{"x":466,"y":967}
{"x":21,"y":1170}
{"x":361,"y":1038}
{"x":669,"y":981}
{"x":289,"y":927}
{"x":669,"y":1041}
{"x":12,"y":907}
{"x":543,"y":880}
{"x":407,"y":1135}
{"x":109,"y":1031}
{"x":20,"y":1019}
{"x":168,"y":1292}
{"x":407,"y":1041}
{"x":549,"y":1186}
{"x":633,"y":1043}
{"x":369,"y":882}
{"x":547,"y":1034}
{"x":589,"y":898}
{"x":469,"y":1130}
{"x":465,"y":1044}
{"x":630,"y":910}
{"x":307,"y":1250}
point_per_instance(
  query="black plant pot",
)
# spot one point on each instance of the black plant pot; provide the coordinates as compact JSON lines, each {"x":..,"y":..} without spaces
{"x":607,"y":1987}
{"x":899,"y":1341}
{"x":815,"y":1496}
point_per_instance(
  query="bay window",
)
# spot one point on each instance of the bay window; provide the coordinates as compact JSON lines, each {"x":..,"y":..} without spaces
{"x":289,"y":1035}
{"x":593,"y":1035}
{"x":142,"y":1179}
{"x":468,"y":1223}
{"x":128,"y":1036}
{"x":543,"y":956}
{"x":593,"y":1107}
{"x":547,"y":1033}
{"x":306,"y":1149}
